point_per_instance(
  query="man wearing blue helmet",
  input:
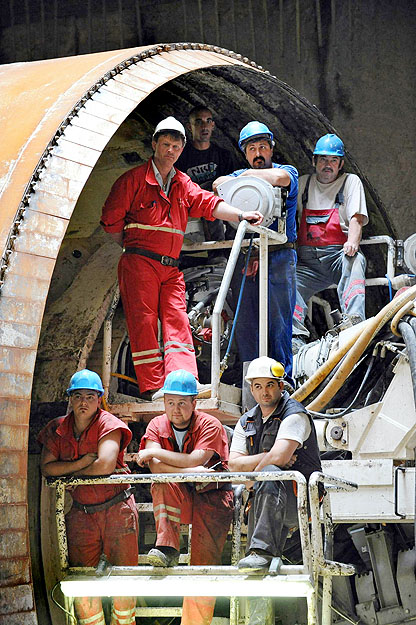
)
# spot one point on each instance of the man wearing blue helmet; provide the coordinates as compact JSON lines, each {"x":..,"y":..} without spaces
{"x":256,"y":142}
{"x":185,"y":440}
{"x":332,"y":212}
{"x":88,"y":442}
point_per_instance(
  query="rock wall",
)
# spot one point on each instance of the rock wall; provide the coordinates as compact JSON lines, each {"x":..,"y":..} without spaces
{"x":353,"y":59}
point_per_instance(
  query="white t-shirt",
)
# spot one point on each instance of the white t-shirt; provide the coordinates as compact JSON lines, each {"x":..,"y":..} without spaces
{"x":322,"y":196}
{"x":296,"y":427}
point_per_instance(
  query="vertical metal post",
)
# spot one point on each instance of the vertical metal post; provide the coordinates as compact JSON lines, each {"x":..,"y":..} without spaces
{"x":60,"y":526}
{"x":263,"y":296}
{"x":326,"y":600}
{"x":107,"y":339}
{"x":219,"y":304}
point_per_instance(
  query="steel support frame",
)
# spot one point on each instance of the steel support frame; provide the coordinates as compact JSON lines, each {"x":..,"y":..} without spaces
{"x":323,"y":565}
{"x":237,"y":478}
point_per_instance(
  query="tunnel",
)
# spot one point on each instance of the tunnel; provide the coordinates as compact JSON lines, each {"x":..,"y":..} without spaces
{"x":71,"y":126}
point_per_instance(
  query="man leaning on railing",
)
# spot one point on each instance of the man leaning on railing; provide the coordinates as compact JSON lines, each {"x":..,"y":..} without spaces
{"x":89,"y":441}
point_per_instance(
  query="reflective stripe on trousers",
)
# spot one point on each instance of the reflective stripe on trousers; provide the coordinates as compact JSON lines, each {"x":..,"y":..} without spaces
{"x":151,"y":291}
{"x":320,"y":267}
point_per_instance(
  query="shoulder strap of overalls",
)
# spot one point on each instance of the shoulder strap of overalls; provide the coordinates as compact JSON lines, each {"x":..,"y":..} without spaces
{"x":305,"y":193}
{"x":339,"y":198}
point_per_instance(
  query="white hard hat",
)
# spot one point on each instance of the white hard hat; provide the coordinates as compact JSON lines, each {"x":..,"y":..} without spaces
{"x":265,"y":367}
{"x":170,"y":123}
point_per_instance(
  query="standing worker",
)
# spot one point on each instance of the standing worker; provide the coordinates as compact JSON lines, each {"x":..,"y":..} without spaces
{"x":185,"y":440}
{"x":276,"y":434}
{"x":332,"y":212}
{"x":205,"y":161}
{"x":88,"y":442}
{"x":256,"y":142}
{"x":146,"y":213}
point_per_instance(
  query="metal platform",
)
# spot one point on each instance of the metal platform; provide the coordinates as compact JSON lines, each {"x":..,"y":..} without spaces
{"x":226,"y":407}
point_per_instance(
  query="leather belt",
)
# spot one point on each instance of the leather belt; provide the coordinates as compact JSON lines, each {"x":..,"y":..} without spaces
{"x":98,"y":507}
{"x":163,"y":260}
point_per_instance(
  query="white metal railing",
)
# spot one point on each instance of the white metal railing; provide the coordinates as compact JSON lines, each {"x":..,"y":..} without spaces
{"x":322,"y":555}
{"x":290,"y":580}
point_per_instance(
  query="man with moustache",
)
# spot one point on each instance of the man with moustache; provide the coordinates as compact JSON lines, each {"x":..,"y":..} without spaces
{"x":186,"y":440}
{"x":332,"y":212}
{"x":276,"y":434}
{"x":146,"y":212}
{"x":256,"y":142}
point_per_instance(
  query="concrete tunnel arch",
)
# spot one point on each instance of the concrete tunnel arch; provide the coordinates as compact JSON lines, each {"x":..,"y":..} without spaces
{"x":57,"y":117}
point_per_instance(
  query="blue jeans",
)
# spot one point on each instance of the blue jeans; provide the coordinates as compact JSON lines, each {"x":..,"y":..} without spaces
{"x":320,"y":267}
{"x":281,"y":304}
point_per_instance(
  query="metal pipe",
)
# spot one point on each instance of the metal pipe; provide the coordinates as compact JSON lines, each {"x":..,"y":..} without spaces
{"x":107,"y":339}
{"x":219,"y":305}
{"x":263,"y":295}
{"x":391,"y":250}
{"x":60,"y":525}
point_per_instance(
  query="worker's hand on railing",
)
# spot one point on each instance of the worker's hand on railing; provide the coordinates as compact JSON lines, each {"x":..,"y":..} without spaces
{"x":255,"y":218}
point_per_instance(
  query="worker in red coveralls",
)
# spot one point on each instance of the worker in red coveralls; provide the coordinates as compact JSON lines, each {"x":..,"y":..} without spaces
{"x":146,"y":212}
{"x":185,"y":440}
{"x":89,"y":441}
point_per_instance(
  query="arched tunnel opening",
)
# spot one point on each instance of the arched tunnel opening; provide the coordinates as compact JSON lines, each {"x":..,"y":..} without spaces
{"x":85,"y":272}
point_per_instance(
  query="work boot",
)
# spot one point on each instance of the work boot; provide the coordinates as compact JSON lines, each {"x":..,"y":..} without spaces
{"x":148,"y":395}
{"x":163,"y":556}
{"x":257,"y":560}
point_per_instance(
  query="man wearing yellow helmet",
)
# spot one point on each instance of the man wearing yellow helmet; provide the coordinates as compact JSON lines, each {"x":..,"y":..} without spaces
{"x":275,"y":434}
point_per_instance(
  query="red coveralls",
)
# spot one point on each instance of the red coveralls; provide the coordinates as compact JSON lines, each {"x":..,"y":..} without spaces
{"x":209,"y":510}
{"x":150,"y":290}
{"x":113,"y":531}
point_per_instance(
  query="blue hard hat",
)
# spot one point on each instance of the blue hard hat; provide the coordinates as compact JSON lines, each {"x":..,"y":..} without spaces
{"x":180,"y":382}
{"x":87,"y":379}
{"x":253,"y":130}
{"x":329,"y":145}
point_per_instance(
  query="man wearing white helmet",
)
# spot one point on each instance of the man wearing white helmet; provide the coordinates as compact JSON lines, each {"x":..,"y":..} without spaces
{"x":275,"y":434}
{"x":186,"y":440}
{"x":331,"y":212}
{"x":146,"y":213}
{"x":257,"y":142}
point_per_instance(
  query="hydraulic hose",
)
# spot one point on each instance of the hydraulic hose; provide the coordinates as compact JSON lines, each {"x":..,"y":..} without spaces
{"x":404,"y":310}
{"x":359,"y":345}
{"x":320,"y":374}
{"x":406,"y":331}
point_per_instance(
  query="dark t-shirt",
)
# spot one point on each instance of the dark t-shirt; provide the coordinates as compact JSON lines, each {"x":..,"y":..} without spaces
{"x":204,"y":166}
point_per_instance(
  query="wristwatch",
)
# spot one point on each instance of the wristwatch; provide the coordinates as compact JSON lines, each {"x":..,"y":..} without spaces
{"x":241,"y":216}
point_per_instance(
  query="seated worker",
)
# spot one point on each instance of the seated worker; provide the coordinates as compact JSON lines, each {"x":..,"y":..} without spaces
{"x":185,"y":440}
{"x":204,"y":161}
{"x":332,"y":212}
{"x":276,"y":434}
{"x":256,"y":141}
{"x":146,"y":213}
{"x":89,"y":441}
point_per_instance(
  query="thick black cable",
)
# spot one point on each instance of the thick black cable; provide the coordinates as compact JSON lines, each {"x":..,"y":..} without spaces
{"x":408,"y":332}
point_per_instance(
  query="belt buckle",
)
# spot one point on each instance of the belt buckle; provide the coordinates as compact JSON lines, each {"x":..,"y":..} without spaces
{"x":166,"y":260}
{"x":84,"y":507}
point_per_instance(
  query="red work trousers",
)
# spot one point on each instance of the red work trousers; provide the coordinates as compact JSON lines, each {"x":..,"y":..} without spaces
{"x":210,"y":514}
{"x":152,"y":291}
{"x":114,"y":532}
